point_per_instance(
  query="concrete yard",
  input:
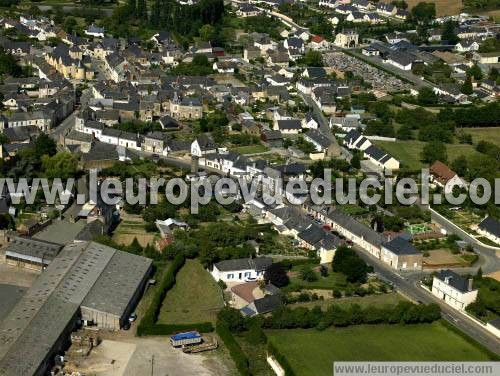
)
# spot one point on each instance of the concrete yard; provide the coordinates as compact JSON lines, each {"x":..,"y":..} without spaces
{"x":132,"y":356}
{"x":11,"y":275}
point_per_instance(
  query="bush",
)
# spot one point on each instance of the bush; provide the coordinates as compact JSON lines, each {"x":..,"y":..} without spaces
{"x":336,"y":315}
{"x":307,"y":274}
{"x":232,"y":319}
{"x":272,"y":350}
{"x":237,"y":354}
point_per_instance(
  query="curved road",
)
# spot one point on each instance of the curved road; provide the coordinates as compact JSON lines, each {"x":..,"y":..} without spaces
{"x":488,"y":258}
{"x":408,"y":285}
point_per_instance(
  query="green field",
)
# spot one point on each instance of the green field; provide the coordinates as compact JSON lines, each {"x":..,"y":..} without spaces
{"x":392,"y":298}
{"x":491,"y":134}
{"x":328,"y":282}
{"x":311,"y":352}
{"x":196,"y":297}
{"x":250,"y":149}
{"x":409,"y":152}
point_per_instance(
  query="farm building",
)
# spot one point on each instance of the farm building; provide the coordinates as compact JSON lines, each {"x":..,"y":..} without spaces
{"x":86,"y":281}
{"x":30,"y":253}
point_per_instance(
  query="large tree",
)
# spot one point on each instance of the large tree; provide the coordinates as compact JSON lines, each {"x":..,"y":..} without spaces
{"x":276,"y":274}
{"x":434,"y":151}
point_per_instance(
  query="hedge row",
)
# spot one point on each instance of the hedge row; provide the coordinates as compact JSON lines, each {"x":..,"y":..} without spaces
{"x":148,"y":321}
{"x":237,"y":354}
{"x":272,"y":350}
{"x":289,"y":263}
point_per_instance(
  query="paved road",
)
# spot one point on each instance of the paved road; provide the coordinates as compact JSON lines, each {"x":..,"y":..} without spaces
{"x":408,"y":285}
{"x":488,"y":259}
{"x":69,"y":122}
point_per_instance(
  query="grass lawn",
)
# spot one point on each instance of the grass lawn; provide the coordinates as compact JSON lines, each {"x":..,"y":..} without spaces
{"x":311,"y":352}
{"x":250,"y":149}
{"x":491,"y":134}
{"x":443,"y":7}
{"x":328,"y":282}
{"x":392,"y":298}
{"x":132,"y":226}
{"x":196,"y":297}
{"x":409,"y":152}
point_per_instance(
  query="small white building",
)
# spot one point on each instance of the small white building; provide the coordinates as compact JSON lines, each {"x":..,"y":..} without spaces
{"x":455,"y":290}
{"x":241,"y":270}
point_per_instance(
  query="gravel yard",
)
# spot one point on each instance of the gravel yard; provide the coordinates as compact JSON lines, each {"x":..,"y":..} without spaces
{"x":133,"y":356}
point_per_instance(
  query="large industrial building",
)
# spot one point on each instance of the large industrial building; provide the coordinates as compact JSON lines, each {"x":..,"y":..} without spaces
{"x":87,"y":281}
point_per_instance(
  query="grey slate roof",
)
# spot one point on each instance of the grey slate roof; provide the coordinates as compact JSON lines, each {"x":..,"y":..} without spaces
{"x":289,"y":124}
{"x":267,"y":304}
{"x":400,"y":246}
{"x":319,"y":138}
{"x":455,"y":280}
{"x":259,"y":263}
{"x":88,"y":272}
{"x":356,"y":227}
{"x":33,"y":249}
{"x":490,"y":225}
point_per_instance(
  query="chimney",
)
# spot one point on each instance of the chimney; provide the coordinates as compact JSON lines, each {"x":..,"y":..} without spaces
{"x":447,"y":280}
{"x":469,"y":287}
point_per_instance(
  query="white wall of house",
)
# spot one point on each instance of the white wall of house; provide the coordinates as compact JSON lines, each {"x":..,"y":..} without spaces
{"x":236,"y":275}
{"x":453,"y":297}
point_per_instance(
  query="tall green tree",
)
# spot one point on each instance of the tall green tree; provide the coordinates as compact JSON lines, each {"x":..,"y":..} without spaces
{"x":434,"y":151}
{"x":467,"y":86}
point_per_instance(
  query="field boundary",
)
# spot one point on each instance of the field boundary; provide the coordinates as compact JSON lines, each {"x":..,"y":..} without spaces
{"x":149,"y":323}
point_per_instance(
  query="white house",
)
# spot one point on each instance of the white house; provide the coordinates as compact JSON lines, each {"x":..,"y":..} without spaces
{"x":401,"y":255}
{"x":203,"y":145}
{"x":241,"y":270}
{"x":455,"y":290}
{"x":95,"y":31}
{"x":309,"y":122}
{"x":442,"y":176}
{"x":490,"y":228}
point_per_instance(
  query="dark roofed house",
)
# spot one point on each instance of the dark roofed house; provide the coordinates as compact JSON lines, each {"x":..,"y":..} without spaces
{"x":272,"y":137}
{"x":203,"y":145}
{"x":241,"y":270}
{"x":263,"y":305}
{"x":490,"y":228}
{"x":289,"y":126}
{"x":400,"y":254}
{"x":453,"y":289}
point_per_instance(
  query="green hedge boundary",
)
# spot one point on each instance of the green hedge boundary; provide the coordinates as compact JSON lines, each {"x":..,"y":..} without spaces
{"x":272,"y":350}
{"x":235,"y":351}
{"x":148,"y":325}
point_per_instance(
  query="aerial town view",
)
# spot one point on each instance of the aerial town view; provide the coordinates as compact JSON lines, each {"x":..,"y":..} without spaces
{"x":249,"y":187}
